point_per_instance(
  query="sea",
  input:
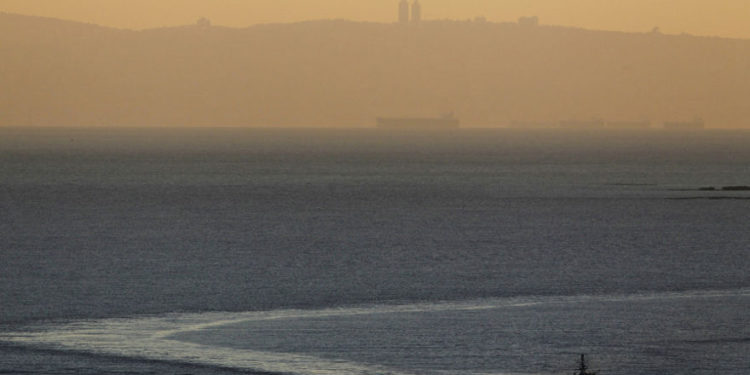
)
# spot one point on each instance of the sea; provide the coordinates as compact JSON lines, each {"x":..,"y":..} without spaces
{"x":362,"y":251}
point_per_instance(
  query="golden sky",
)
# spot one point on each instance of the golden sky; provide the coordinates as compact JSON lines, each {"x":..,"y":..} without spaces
{"x":729,"y":18}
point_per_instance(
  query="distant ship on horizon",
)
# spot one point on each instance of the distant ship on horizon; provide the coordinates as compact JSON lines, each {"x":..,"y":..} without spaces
{"x":696,"y":123}
{"x":448,"y":121}
{"x":582,"y":124}
{"x":644,"y":124}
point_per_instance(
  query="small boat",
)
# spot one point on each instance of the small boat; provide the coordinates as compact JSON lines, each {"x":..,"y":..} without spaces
{"x":582,"y":368}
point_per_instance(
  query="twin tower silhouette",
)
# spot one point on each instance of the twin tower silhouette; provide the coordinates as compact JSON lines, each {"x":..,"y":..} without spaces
{"x":403,"y":12}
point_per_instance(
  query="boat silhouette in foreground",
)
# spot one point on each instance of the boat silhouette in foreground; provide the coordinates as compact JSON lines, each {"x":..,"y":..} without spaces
{"x":583,"y":369}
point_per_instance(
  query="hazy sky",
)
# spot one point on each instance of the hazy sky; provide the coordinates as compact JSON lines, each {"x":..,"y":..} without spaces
{"x":702,"y":17}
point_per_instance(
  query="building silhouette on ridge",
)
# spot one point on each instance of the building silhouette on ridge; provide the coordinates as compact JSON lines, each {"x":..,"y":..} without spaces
{"x":404,"y":12}
{"x":416,"y":12}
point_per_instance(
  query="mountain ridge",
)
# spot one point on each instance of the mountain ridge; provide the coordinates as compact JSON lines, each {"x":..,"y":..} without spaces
{"x":344,"y":20}
{"x":345,"y":73}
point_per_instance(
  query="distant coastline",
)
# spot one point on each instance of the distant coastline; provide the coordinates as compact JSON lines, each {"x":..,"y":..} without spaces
{"x":344,"y":74}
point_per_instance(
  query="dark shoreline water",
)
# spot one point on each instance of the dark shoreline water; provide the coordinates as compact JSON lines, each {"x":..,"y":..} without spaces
{"x":101,"y":223}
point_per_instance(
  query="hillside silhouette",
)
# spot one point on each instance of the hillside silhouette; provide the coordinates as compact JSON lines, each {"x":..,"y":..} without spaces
{"x":340,"y":73}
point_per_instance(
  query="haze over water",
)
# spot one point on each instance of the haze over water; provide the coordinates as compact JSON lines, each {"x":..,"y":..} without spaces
{"x":341,"y":73}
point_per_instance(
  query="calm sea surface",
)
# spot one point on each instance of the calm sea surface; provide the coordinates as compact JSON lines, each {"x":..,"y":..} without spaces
{"x":142,"y":251}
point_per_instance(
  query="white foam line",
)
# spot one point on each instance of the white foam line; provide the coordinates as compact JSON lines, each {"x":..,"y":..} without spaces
{"x":149,"y":337}
{"x":214,"y":320}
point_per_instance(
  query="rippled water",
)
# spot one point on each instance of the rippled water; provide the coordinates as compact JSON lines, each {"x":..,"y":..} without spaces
{"x":198,"y":251}
{"x":700,"y":332}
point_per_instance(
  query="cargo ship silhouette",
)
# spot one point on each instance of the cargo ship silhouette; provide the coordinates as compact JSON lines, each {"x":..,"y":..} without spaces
{"x":448,"y":121}
{"x":697,"y":123}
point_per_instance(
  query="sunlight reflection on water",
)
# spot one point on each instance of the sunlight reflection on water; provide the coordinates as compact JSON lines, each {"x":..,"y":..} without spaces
{"x":244,"y":340}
